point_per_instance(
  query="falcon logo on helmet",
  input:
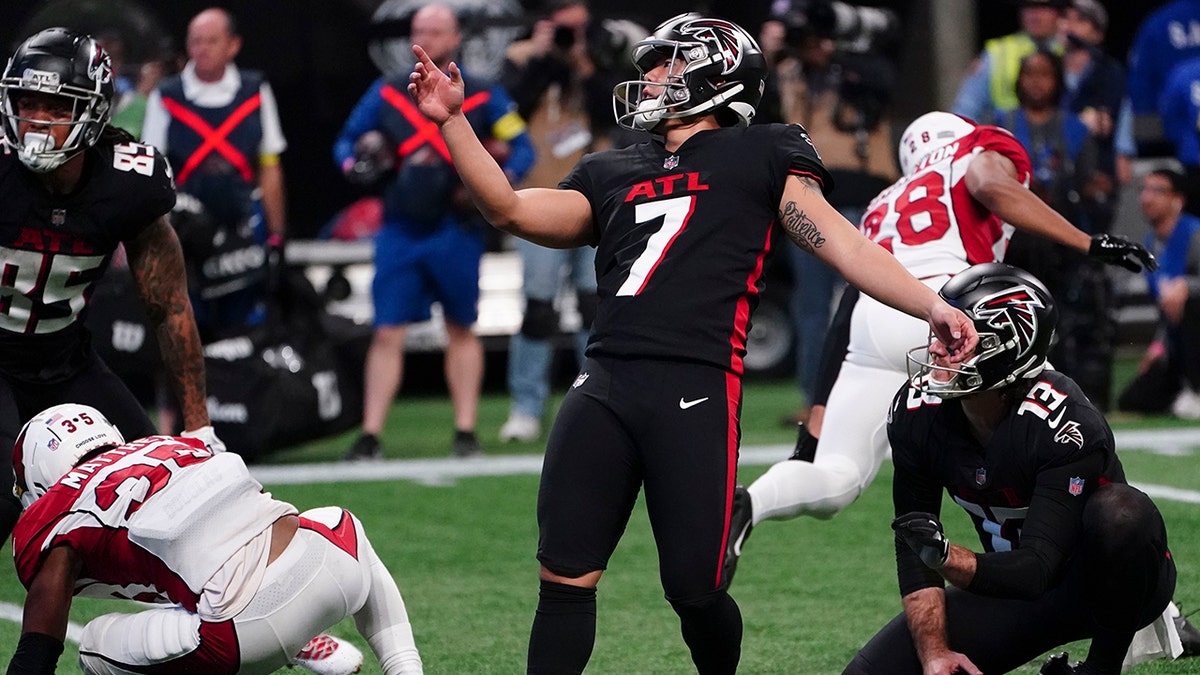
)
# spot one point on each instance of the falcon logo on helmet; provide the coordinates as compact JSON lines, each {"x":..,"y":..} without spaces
{"x":100,"y":67}
{"x":1014,"y":310}
{"x":720,"y":33}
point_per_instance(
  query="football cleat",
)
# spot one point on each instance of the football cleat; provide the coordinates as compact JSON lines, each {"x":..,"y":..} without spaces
{"x":328,"y":655}
{"x":521,"y":427}
{"x":1056,"y":665}
{"x":465,"y":445}
{"x":366,"y":448}
{"x":1189,"y":636}
{"x":740,"y":523}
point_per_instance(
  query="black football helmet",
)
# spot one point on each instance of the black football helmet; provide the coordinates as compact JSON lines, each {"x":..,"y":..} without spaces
{"x":1015,"y":318}
{"x":64,"y":63}
{"x":723,"y":69}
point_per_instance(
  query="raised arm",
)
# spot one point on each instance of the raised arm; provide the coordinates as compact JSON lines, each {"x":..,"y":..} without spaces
{"x":555,"y":218}
{"x":992,"y":179}
{"x":156,"y":261}
{"x":818,"y":228}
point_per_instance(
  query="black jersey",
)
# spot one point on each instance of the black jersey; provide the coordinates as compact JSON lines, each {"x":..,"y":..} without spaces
{"x":1024,"y":489}
{"x":682,"y":237}
{"x":54,"y":248}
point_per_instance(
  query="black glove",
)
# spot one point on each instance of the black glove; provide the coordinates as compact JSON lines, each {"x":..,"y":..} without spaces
{"x":923,"y":534}
{"x":1117,"y":250}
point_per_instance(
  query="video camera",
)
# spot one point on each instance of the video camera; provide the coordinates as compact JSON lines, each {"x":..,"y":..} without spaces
{"x":865,"y":74}
{"x":855,"y":29}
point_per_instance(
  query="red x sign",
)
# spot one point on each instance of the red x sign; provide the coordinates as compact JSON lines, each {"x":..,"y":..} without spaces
{"x":425,"y":131}
{"x":214,"y":139}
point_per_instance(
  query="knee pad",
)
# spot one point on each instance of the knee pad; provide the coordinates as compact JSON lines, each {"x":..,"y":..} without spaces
{"x":146,"y":638}
{"x":587,"y":303}
{"x":541,"y":320}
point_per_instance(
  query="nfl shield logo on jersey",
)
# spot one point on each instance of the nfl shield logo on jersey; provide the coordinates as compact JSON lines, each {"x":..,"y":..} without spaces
{"x":1075,"y":487}
{"x":671,"y":162}
{"x":980,"y":476}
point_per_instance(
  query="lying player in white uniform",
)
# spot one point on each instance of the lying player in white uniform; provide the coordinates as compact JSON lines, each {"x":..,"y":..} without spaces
{"x":246,"y":580}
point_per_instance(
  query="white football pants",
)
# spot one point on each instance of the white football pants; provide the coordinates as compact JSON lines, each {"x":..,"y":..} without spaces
{"x":311,"y":586}
{"x":853,"y":442}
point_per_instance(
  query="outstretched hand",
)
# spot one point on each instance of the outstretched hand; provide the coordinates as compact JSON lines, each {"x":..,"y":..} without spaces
{"x":439,"y":97}
{"x":955,"y":331}
{"x":1117,"y":250}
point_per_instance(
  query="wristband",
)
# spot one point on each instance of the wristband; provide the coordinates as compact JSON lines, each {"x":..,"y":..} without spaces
{"x":37,"y":653}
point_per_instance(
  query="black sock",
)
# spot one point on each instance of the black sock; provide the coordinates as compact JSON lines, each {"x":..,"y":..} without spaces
{"x":460,"y":435}
{"x":713,"y":633}
{"x":564,"y":629}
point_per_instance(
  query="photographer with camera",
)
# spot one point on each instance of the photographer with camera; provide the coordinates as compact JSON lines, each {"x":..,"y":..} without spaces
{"x":561,"y":77}
{"x":831,"y":73}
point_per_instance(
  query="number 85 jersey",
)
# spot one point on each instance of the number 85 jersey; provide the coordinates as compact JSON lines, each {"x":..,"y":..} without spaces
{"x":929,"y":220}
{"x":55,"y":247}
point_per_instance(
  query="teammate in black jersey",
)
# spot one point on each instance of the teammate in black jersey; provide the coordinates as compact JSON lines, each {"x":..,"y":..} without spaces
{"x":72,"y":189}
{"x":681,"y":224}
{"x":1071,"y":550}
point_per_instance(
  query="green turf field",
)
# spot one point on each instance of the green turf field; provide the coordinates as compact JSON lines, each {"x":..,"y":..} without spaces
{"x":811,"y":592}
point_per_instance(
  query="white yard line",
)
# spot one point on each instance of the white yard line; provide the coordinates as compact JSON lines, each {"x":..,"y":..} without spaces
{"x":1183,"y":441}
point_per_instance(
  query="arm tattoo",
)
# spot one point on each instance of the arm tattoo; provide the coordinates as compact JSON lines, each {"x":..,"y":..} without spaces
{"x":800,"y":228}
{"x":156,"y":260}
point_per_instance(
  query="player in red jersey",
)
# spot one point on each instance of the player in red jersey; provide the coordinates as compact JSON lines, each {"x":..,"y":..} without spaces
{"x":682,"y":225}
{"x":246,"y":580}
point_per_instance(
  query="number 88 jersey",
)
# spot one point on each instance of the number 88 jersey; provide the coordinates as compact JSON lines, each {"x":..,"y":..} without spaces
{"x":55,"y":247}
{"x":929,"y":220}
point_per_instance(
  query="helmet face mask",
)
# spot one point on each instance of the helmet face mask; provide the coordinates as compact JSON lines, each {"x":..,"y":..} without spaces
{"x":713,"y":64}
{"x":1015,"y":318}
{"x":74,"y":69}
{"x":52,"y":443}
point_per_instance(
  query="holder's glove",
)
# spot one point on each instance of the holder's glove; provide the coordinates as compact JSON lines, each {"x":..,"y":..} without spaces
{"x":923,"y":534}
{"x":208,"y":436}
{"x":1117,"y":250}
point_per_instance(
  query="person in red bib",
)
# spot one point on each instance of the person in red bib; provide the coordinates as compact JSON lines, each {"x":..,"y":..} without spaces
{"x":431,"y":241}
{"x":219,"y":127}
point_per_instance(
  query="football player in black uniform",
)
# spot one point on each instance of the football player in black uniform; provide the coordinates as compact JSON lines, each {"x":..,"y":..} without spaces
{"x":73,"y":188}
{"x":681,"y":224}
{"x":1071,"y":550}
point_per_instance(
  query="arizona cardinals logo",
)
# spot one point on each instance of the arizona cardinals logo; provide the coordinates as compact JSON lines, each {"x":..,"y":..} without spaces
{"x":1012,"y":310}
{"x":723,"y":38}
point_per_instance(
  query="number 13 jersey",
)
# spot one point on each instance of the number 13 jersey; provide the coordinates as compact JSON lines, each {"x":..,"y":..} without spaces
{"x":683,"y":236}
{"x":929,"y":220}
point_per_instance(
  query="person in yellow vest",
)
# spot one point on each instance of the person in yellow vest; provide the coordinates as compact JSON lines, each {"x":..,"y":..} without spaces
{"x":991,"y":84}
